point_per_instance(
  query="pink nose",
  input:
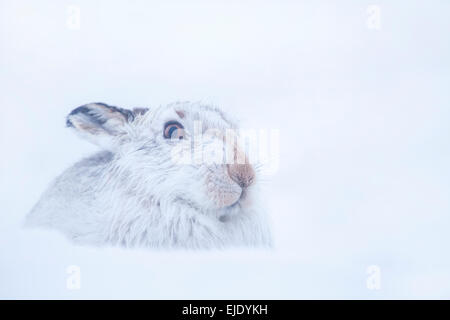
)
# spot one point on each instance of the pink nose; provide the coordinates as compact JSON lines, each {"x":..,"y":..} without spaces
{"x":241,"y":170}
{"x":242,"y":174}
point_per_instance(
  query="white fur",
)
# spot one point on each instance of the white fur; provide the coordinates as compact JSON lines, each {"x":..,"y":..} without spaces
{"x":132,"y":194}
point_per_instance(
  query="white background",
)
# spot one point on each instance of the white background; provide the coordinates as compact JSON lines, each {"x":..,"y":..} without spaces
{"x":363,"y":116}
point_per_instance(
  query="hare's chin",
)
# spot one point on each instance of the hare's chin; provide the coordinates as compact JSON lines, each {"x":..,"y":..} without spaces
{"x":236,"y":204}
{"x":228,"y":200}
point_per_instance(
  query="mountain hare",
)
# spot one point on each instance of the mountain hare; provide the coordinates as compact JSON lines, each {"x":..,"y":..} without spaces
{"x":136,"y":193}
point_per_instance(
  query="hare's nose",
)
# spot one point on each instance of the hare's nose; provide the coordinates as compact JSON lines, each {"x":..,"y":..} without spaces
{"x":242,"y":174}
{"x":240,"y":170}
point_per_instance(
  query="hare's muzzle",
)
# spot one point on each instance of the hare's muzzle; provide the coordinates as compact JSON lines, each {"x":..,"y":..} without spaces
{"x":237,"y":176}
{"x":241,"y":171}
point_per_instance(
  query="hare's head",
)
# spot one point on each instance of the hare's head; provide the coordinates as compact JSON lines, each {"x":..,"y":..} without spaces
{"x":183,"y":152}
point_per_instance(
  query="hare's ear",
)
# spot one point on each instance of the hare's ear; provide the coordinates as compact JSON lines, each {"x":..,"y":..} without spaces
{"x":100,"y":123}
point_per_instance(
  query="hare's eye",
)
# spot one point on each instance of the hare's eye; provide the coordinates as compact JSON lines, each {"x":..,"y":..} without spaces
{"x":173,"y":130}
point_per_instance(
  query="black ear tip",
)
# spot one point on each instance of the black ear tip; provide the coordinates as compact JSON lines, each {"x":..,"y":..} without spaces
{"x":95,"y":112}
{"x":69,"y":123}
{"x":81,"y":109}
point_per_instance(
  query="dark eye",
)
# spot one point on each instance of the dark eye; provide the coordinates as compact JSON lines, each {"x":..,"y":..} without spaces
{"x":173,"y":130}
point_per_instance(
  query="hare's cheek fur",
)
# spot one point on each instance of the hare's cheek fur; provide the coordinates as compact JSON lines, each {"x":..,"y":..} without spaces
{"x":221,"y":189}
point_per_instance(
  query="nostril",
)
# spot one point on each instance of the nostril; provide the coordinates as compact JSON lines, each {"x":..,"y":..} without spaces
{"x":242,"y":174}
{"x":242,"y":183}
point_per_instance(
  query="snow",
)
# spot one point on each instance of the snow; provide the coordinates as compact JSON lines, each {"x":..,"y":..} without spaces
{"x":363,"y":117}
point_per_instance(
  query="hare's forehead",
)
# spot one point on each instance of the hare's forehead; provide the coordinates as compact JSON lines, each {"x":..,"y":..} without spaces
{"x":189,"y":115}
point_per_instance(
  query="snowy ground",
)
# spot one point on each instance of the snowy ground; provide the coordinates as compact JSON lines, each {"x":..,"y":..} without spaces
{"x":363,"y":115}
